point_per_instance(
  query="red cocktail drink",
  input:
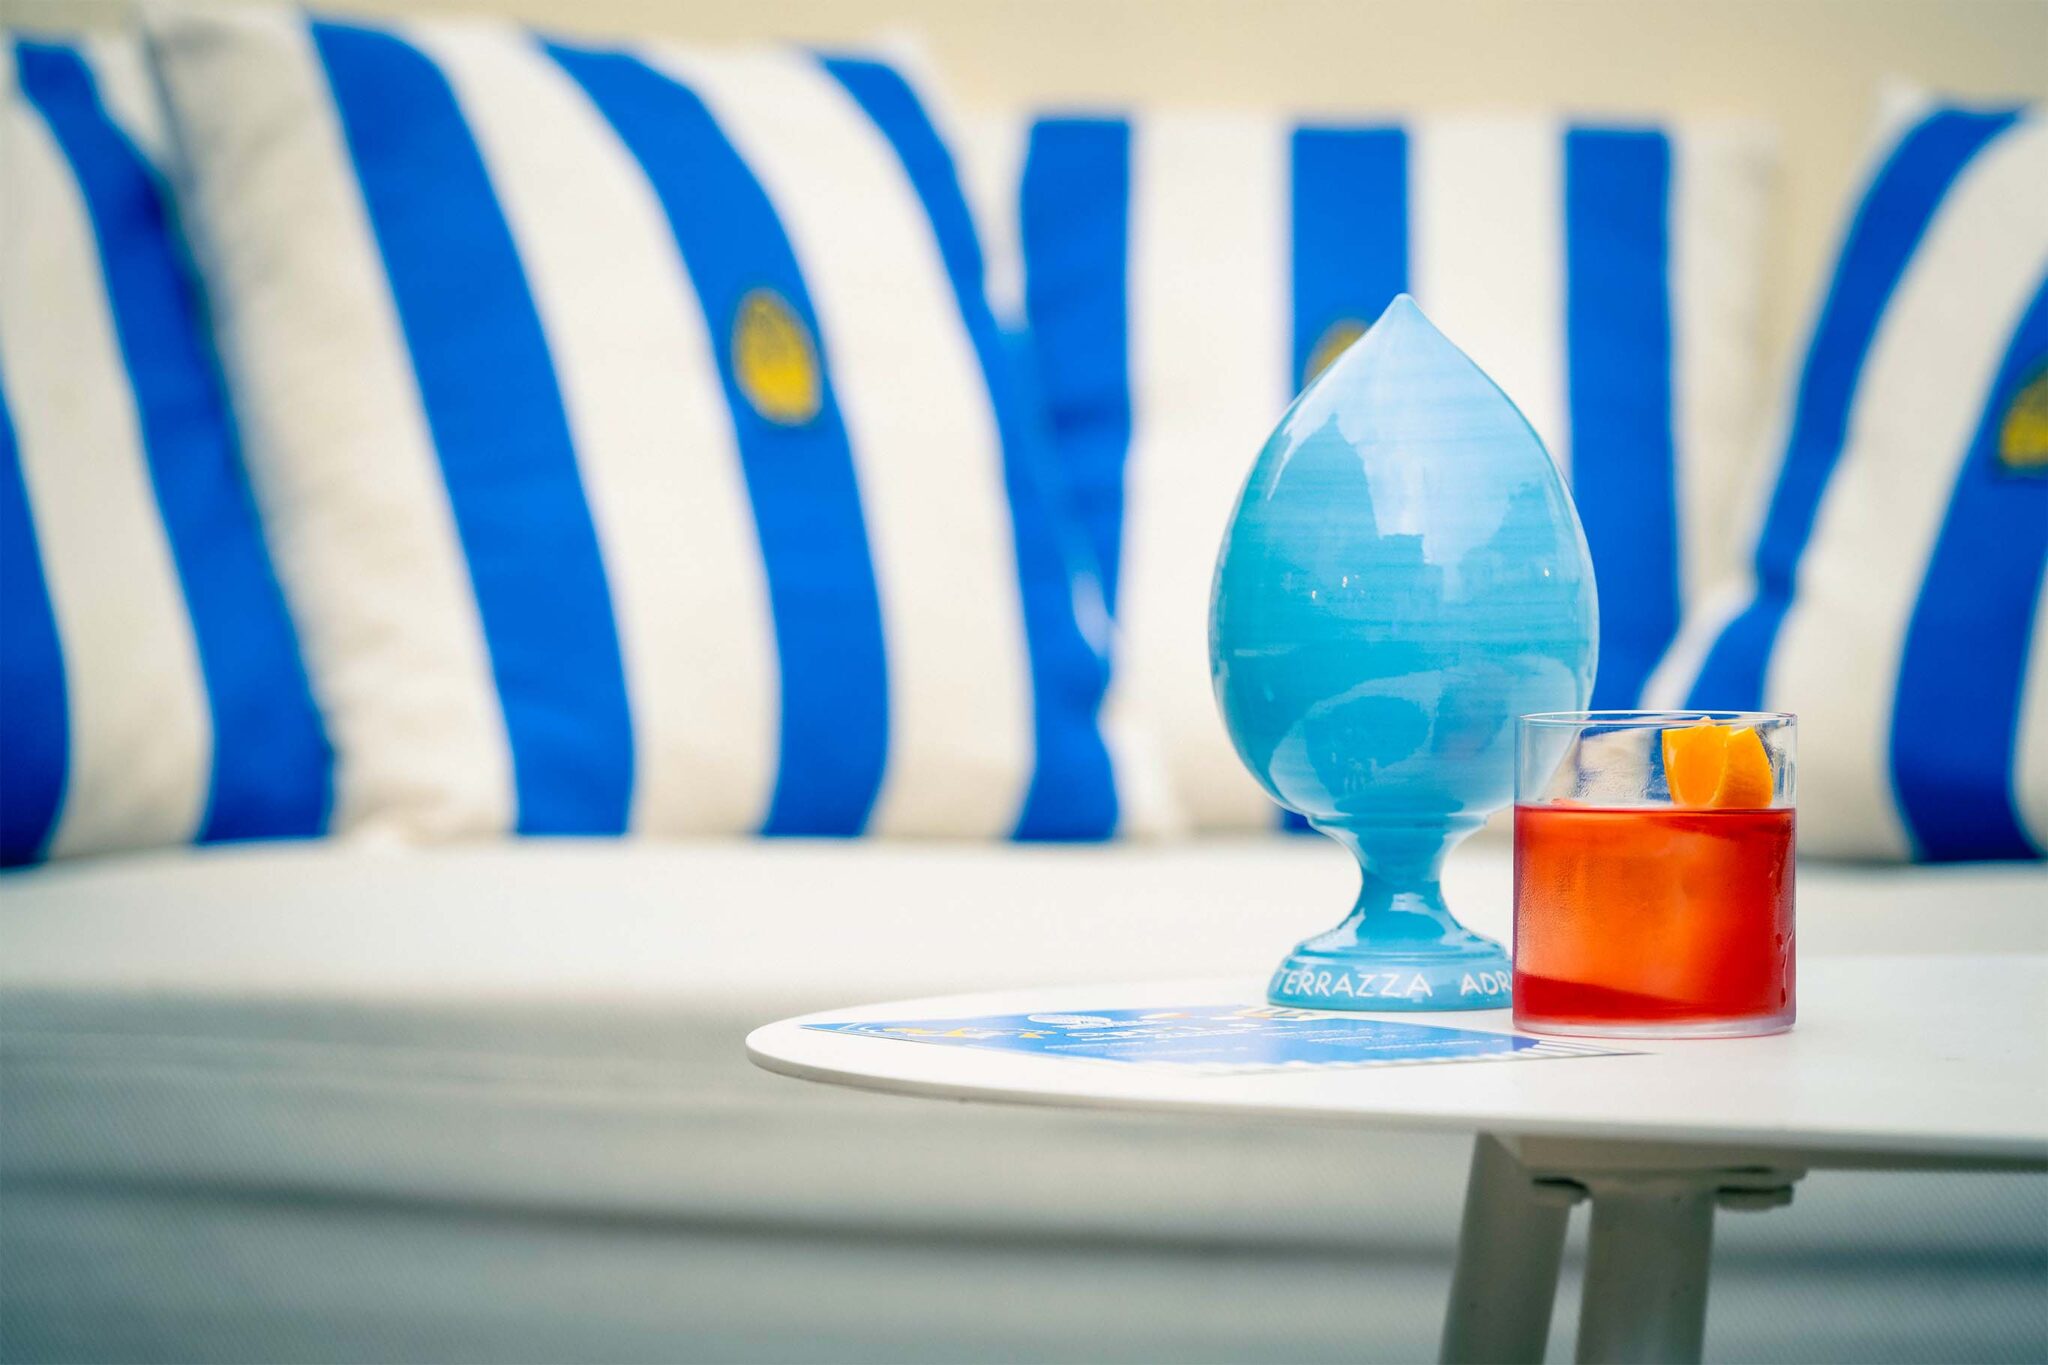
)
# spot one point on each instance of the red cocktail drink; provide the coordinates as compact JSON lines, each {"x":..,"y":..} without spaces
{"x":1653,"y":920}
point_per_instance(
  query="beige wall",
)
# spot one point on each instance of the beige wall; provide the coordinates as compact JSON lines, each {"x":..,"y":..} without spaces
{"x":1812,"y":69}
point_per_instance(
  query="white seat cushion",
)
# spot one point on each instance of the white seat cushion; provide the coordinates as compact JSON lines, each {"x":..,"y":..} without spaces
{"x":728,"y":924}
{"x":490,"y":1102}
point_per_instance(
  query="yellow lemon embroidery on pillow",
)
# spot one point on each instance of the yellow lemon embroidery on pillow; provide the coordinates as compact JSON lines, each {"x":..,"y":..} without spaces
{"x":2023,"y":435}
{"x":1330,"y":345}
{"x":775,"y":361}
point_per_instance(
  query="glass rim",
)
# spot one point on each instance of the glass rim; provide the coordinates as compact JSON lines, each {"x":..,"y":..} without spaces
{"x":1660,"y":719}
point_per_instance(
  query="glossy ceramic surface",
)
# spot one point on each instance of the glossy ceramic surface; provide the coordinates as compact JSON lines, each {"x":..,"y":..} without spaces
{"x":1404,"y":576}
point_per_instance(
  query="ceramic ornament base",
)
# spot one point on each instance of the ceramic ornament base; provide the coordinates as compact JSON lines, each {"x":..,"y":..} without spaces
{"x":1465,"y":976}
{"x":1400,"y":948}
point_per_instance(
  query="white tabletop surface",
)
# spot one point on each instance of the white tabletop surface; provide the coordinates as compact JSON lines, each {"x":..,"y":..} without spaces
{"x":1904,"y":1057}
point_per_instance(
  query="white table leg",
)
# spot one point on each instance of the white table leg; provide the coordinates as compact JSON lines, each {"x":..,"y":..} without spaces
{"x":1508,"y":1250}
{"x":1646,"y":1269}
{"x":1645,"y":1294}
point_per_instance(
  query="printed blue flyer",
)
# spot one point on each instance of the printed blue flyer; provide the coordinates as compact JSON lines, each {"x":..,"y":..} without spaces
{"x":1220,"y":1038}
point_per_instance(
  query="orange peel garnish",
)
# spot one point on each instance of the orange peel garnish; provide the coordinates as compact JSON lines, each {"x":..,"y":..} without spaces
{"x":1717,"y":767}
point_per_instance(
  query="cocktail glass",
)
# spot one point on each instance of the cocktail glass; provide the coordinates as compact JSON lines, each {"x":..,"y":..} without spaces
{"x":1654,"y":873}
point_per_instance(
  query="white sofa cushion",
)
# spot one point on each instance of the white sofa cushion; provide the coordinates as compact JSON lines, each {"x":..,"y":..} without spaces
{"x":734,"y":924}
{"x":491,"y":1102}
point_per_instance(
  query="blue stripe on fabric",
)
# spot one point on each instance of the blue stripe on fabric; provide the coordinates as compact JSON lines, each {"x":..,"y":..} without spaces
{"x":35,"y":725}
{"x":1073,"y":792}
{"x":1617,"y":185}
{"x":800,"y":477}
{"x":1350,"y":232}
{"x":272,"y":768}
{"x":1956,"y":712}
{"x":1074,"y":222}
{"x":492,"y":403}
{"x":1887,"y":229}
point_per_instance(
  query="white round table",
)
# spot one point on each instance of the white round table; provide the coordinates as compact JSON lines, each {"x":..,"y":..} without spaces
{"x":1897,"y":1063}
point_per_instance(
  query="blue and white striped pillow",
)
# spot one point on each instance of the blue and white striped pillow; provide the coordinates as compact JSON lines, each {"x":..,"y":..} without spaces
{"x":1894,"y":600}
{"x":635,"y":436}
{"x":151,"y":690}
{"x":1183,"y":273}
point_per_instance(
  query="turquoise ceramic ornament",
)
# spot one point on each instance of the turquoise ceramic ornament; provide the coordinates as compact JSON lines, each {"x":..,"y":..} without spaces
{"x":1403,"y":577}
